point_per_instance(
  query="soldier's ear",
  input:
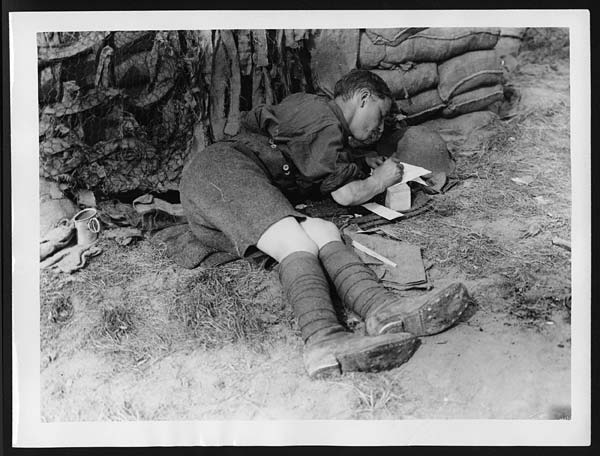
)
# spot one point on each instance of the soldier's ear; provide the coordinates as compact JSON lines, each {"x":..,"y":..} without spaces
{"x":364,"y":95}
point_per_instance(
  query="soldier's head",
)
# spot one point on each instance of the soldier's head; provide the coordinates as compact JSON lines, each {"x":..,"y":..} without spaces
{"x":365,"y":100}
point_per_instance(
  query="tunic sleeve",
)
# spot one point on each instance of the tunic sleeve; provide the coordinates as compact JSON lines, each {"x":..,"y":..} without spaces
{"x":260,"y":119}
{"x":322,"y":158}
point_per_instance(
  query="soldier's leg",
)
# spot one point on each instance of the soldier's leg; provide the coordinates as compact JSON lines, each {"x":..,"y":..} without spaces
{"x":383,"y":311}
{"x":329,"y":348}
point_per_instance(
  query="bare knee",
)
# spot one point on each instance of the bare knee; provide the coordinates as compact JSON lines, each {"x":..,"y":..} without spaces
{"x":320,"y":231}
{"x":284,"y":238}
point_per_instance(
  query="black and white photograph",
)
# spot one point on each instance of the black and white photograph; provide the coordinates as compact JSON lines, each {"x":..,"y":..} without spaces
{"x":265,"y":223}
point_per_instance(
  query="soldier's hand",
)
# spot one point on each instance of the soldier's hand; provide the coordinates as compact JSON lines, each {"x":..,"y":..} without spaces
{"x":389,"y":173}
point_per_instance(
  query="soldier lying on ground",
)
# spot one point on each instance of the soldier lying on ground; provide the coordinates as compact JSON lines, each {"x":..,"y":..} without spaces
{"x":242,"y":189}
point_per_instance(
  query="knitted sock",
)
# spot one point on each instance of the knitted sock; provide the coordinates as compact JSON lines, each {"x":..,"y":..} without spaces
{"x":355,"y":282}
{"x":306,"y":289}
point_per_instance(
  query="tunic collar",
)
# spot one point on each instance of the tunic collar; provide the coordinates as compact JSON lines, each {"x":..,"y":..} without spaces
{"x":340,"y":115}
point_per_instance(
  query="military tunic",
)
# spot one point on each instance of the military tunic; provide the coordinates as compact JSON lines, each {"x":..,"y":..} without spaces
{"x":233,"y":190}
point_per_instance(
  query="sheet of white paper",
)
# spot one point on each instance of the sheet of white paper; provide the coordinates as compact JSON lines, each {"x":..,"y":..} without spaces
{"x":412,"y":172}
{"x":382,"y":211}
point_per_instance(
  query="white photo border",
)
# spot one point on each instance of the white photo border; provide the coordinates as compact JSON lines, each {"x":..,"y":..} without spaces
{"x":29,"y":431}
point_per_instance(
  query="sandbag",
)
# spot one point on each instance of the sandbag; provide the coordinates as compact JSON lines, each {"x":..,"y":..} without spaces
{"x":468,"y":71}
{"x":421,"y":106}
{"x":474,"y":100}
{"x":508,"y":45}
{"x":391,"y":36}
{"x":422,"y":146}
{"x":515,"y":32}
{"x":335,"y":53}
{"x":370,"y":55}
{"x":410,"y":79}
{"x":439,"y":44}
{"x":509,"y":42}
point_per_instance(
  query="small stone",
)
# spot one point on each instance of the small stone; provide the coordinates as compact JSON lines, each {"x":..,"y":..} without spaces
{"x":525,"y":180}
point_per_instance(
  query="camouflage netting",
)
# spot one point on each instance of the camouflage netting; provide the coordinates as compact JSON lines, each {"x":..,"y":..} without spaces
{"x":120,"y":110}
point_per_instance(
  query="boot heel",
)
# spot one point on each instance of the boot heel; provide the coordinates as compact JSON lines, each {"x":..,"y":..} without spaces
{"x":381,"y":357}
{"x":320,"y":363}
{"x":429,"y":315}
{"x":348,"y":352}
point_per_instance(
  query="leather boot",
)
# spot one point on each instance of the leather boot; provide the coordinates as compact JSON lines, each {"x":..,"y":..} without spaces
{"x":329,"y":348}
{"x":383,"y":311}
{"x":342,"y":352}
{"x":424,"y":316}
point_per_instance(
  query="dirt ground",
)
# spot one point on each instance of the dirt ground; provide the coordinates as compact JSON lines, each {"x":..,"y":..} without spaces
{"x":135,"y":337}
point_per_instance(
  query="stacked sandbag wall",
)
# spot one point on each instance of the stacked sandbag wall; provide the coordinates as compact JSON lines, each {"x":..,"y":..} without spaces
{"x":509,"y":42}
{"x":439,"y":72}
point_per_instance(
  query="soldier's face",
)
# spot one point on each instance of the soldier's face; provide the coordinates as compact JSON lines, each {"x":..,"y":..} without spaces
{"x":367,"y":123}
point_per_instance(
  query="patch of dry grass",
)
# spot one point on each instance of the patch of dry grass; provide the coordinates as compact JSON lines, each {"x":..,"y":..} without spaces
{"x":63,"y":328}
{"x":451,"y":245}
{"x":138,"y":306}
{"x":374,"y":395}
{"x":109,"y":316}
{"x":118,"y":323}
{"x":223,"y":305}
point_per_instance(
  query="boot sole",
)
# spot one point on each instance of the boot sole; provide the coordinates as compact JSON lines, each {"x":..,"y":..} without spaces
{"x":434,"y":316}
{"x":375,"y":356}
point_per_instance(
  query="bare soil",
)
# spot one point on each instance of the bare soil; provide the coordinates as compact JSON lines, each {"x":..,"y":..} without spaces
{"x":135,"y":337}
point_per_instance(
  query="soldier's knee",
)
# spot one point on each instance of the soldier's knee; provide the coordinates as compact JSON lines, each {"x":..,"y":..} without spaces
{"x":321,"y":231}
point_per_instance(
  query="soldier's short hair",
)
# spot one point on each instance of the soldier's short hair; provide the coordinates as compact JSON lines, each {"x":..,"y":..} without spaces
{"x":361,"y":79}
